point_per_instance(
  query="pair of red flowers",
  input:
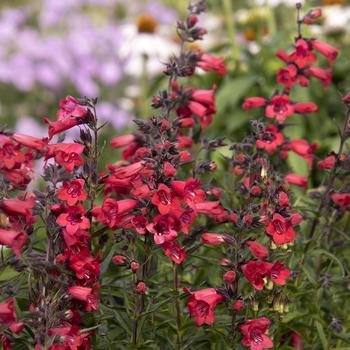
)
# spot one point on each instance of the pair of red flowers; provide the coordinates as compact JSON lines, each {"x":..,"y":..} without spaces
{"x":202,"y":305}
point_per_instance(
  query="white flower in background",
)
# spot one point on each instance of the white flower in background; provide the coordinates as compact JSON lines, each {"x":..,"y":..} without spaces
{"x":146,"y":44}
{"x":337,"y":18}
{"x":145,"y":51}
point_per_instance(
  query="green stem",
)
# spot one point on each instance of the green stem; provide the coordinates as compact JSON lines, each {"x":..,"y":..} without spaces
{"x":323,"y":201}
{"x":231,"y":28}
{"x":177,"y":305}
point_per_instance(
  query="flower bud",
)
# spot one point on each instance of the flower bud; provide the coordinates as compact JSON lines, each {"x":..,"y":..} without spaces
{"x":238,"y":305}
{"x":119,"y":260}
{"x":273,"y":246}
{"x":312,"y":15}
{"x":141,"y":287}
{"x":269,"y":285}
{"x":191,"y":21}
{"x":230,"y":276}
{"x":225,"y":262}
{"x":134,"y":266}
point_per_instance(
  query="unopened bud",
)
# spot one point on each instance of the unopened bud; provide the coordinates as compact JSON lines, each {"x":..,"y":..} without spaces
{"x":230,"y":276}
{"x":134,"y":266}
{"x":312,"y":15}
{"x":269,"y":285}
{"x":191,"y":21}
{"x":276,"y":305}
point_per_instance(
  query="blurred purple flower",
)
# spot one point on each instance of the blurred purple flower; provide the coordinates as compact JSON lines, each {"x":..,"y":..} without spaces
{"x":109,"y":113}
{"x":29,"y":126}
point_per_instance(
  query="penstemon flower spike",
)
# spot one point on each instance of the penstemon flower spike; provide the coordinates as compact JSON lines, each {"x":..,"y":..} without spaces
{"x":153,"y":216}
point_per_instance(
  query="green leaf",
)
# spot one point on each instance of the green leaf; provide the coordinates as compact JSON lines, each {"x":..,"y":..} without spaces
{"x":310,"y":275}
{"x":106,"y":262}
{"x":322,"y":335}
{"x":323,"y":251}
{"x":232,"y":91}
{"x":7,"y":273}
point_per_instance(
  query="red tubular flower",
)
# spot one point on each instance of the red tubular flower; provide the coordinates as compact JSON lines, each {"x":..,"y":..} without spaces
{"x":174,"y":252}
{"x":122,"y":141}
{"x":128,"y":171}
{"x":279,"y":108}
{"x":303,"y":55}
{"x":72,"y":192}
{"x":7,"y":312}
{"x":258,"y":250}
{"x":281,"y":229}
{"x":71,"y":339}
{"x":73,"y":219}
{"x":307,"y":107}
{"x":206,"y":97}
{"x":79,"y":238}
{"x":213,"y":238}
{"x":163,"y":229}
{"x":140,"y":223}
{"x":30,"y":141}
{"x":87,"y":295}
{"x":273,"y":139}
{"x":86,"y":267}
{"x":279,"y":273}
{"x":6,"y":343}
{"x":70,"y":114}
{"x":70,"y":107}
{"x":341,"y":199}
{"x":297,"y":180}
{"x":324,"y":75}
{"x":212,"y":63}
{"x":296,"y":341}
{"x":254,"y":102}
{"x":11,"y":155}
{"x":325,"y":50}
{"x":302,"y":148}
{"x":164,"y":199}
{"x":288,"y":76}
{"x":19,"y":178}
{"x":13,"y":239}
{"x":66,"y":154}
{"x":169,"y":169}
{"x":202,"y":105}
{"x":17,"y":207}
{"x":189,"y":190}
{"x":184,"y":218}
{"x":208,"y":208}
{"x":112,"y":211}
{"x":255,"y":271}
{"x":201,"y":305}
{"x":327,"y":163}
{"x":254,"y":334}
{"x":184,"y":142}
